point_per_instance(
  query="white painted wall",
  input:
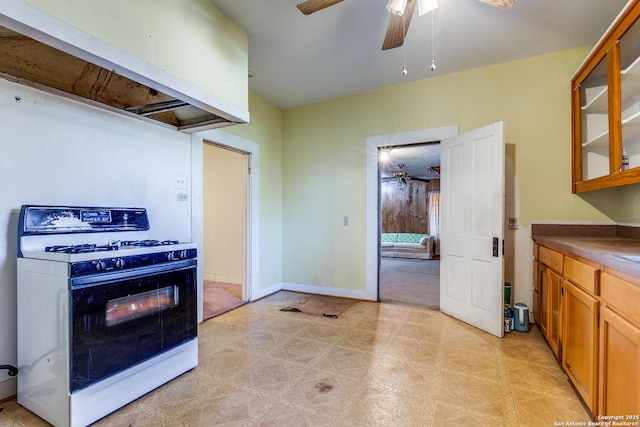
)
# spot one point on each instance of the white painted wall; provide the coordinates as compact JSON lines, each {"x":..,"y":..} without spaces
{"x":56,"y":151}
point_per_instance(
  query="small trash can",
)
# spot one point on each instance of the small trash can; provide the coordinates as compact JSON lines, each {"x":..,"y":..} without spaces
{"x":521,"y":317}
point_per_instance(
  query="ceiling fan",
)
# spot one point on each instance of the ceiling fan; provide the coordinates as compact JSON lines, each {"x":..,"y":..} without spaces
{"x":399,"y":177}
{"x":398,"y":23}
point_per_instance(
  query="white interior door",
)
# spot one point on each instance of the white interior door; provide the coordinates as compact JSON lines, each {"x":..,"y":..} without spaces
{"x":472,"y":203}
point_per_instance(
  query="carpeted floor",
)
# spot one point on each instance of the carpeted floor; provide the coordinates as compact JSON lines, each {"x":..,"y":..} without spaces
{"x":219,"y":297}
{"x":410,"y":281}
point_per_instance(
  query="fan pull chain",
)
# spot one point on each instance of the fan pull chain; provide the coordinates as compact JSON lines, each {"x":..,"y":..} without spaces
{"x":404,"y":52}
{"x":433,"y":51}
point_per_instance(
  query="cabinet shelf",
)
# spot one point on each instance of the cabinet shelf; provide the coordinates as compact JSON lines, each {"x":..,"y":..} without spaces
{"x":599,"y":141}
{"x":597,"y":100}
{"x":630,"y":80}
{"x":631,"y":128}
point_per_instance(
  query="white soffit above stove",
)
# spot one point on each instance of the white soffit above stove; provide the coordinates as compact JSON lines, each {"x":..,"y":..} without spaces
{"x":42,"y":52}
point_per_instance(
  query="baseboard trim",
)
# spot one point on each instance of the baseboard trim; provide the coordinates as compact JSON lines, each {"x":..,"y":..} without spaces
{"x":261,"y":293}
{"x":221,"y":277}
{"x":8,"y":389}
{"x":326,"y":291}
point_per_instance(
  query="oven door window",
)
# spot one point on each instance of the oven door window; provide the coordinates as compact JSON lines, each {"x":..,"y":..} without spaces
{"x":132,"y":307}
{"x":120,"y":323}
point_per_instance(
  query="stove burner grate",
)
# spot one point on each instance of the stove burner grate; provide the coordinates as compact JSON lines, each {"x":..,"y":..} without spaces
{"x":112,"y":246}
{"x":79,"y":249}
{"x":145,"y":243}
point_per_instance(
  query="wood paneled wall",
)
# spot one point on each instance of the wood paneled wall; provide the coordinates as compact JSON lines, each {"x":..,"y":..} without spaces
{"x":404,"y":210}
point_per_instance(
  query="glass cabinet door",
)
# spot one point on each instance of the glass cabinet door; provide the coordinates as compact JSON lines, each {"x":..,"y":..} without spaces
{"x":630,"y":97}
{"x":606,"y":108}
{"x":594,"y":113}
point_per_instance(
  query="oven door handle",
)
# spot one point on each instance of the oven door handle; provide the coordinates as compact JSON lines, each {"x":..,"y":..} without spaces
{"x":105,"y":278}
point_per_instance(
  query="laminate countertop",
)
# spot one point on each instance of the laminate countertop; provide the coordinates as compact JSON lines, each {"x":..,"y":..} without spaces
{"x":617,"y":253}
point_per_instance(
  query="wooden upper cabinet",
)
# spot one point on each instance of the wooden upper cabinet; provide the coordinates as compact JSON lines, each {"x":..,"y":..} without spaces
{"x":606,"y":108}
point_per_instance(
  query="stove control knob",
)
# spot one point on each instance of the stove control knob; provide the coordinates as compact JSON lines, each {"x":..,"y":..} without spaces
{"x":183,"y":254}
{"x":171,"y":256}
{"x":119,"y":263}
{"x":101,"y":266}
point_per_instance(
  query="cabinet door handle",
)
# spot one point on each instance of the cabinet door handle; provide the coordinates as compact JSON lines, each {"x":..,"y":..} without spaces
{"x":496,"y":243}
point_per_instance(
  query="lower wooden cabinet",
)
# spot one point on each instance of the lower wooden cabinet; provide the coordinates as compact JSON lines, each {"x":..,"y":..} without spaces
{"x":554,"y":326}
{"x":619,"y":365}
{"x":543,"y":299}
{"x":580,"y":341}
{"x":547,"y":299}
{"x":590,"y":316}
{"x":619,"y":373}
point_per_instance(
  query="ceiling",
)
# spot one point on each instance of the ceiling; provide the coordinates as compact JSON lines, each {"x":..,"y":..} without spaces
{"x":301,"y":59}
{"x":414,"y":160}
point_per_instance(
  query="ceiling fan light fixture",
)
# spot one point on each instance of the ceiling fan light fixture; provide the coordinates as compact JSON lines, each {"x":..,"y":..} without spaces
{"x":426,"y":6}
{"x":502,"y":4}
{"x":396,"y":7}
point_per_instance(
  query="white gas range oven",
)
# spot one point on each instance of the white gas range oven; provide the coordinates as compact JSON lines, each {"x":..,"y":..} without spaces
{"x":105,"y":315}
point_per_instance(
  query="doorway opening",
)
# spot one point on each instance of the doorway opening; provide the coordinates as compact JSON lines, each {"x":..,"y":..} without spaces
{"x":225,"y":210}
{"x":409,"y":218}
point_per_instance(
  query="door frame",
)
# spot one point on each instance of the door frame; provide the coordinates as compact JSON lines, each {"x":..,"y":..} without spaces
{"x":372,"y":226}
{"x":246,"y":202}
{"x":252,"y":239}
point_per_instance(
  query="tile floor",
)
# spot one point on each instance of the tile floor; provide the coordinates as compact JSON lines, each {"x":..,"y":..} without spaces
{"x":373,"y":365}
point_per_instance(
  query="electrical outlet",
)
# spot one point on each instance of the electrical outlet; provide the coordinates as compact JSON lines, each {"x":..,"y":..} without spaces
{"x":180,"y":181}
{"x":345,"y":221}
{"x":183,"y":197}
{"x":513,"y":223}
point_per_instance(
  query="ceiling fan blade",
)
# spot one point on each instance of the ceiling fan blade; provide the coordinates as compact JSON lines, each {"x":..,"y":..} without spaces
{"x":311,"y":6}
{"x":502,"y":4}
{"x":396,"y":31}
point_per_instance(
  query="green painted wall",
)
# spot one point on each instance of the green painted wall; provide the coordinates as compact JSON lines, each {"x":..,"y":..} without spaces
{"x":265,"y":129}
{"x":629,"y":204}
{"x":323,"y":159}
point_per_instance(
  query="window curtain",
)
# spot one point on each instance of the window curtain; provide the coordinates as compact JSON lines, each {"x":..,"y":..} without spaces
{"x":433,"y":207}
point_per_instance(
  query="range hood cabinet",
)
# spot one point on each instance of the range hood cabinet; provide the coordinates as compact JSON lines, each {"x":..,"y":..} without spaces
{"x":33,"y":63}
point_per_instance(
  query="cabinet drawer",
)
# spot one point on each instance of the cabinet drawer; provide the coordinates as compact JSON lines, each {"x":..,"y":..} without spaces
{"x":621,"y":296}
{"x":582,"y":275}
{"x":550,"y":258}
